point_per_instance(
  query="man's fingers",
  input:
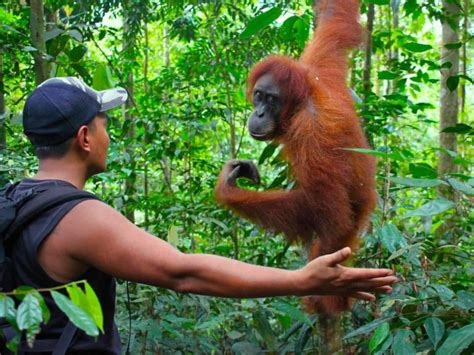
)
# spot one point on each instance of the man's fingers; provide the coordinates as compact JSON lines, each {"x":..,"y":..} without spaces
{"x":364,"y":274}
{"x":384,"y":289}
{"x":374,"y":284}
{"x":338,"y":257}
{"x":363,"y":296}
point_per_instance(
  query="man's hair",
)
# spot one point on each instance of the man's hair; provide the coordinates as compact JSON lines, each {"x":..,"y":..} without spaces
{"x":53,"y":151}
{"x":60,"y":150}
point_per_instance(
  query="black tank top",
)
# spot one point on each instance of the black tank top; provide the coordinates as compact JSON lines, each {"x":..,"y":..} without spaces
{"x":29,"y":272}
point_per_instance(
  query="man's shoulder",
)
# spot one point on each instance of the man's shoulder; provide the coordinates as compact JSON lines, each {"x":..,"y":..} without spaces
{"x":92,"y":214}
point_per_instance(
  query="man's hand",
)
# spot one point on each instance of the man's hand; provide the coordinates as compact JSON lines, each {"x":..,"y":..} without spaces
{"x":326,"y":276}
{"x":235,"y":169}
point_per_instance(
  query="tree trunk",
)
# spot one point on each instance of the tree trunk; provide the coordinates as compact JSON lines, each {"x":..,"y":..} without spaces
{"x":37,"y":38}
{"x":464,"y":54}
{"x":3,"y":135}
{"x":449,"y":98}
{"x":129,"y":39}
{"x":165,"y":162}
{"x":368,"y":51}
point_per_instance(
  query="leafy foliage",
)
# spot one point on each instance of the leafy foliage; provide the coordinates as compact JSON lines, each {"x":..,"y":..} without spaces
{"x":189,"y":62}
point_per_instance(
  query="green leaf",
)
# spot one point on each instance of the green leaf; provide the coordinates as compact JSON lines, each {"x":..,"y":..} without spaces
{"x":303,"y":338}
{"x":29,"y":317}
{"x":422,"y":170}
{"x":7,"y":308}
{"x":94,"y":308}
{"x":376,"y":153}
{"x":453,"y":45}
{"x":465,"y":300}
{"x":416,"y":182}
{"x":379,"y":336}
{"x":102,"y":78}
{"x":387,"y":75}
{"x":457,"y":341}
{"x":402,"y":344}
{"x":435,"y":329}
{"x":44,"y":307}
{"x":75,"y":34}
{"x":443,"y":292}
{"x":77,"y":53}
{"x":367,"y":328}
{"x":234,"y":335}
{"x":29,"y":49}
{"x":431,"y":208}
{"x":392,"y":239}
{"x":417,"y":47}
{"x":452,"y":82}
{"x":267,"y":153}
{"x":81,"y":71}
{"x":301,"y":31}
{"x":173,"y":237}
{"x":287,"y":28}
{"x":461,"y":186}
{"x":265,"y":330}
{"x":261,"y":21}
{"x":87,"y":300}
{"x":293,"y":312}
{"x":245,"y":348}
{"x":380,"y":2}
{"x":460,"y":128}
{"x":76,"y":315}
{"x":55,"y":32}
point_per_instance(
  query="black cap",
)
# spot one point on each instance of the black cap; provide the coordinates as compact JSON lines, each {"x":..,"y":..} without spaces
{"x":60,"y":106}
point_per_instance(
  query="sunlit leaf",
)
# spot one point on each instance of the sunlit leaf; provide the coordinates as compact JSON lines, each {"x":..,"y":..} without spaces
{"x":267,"y":153}
{"x":75,"y":314}
{"x":380,"y":334}
{"x":102,"y":78}
{"x":261,"y":21}
{"x":173,"y":237}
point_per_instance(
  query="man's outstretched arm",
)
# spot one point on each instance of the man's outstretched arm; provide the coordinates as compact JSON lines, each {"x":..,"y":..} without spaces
{"x":94,"y":234}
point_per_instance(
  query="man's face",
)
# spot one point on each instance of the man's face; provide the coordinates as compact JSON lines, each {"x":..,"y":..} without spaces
{"x":100,"y":144}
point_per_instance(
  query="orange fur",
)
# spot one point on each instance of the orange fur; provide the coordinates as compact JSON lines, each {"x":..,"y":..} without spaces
{"x":335,"y":191}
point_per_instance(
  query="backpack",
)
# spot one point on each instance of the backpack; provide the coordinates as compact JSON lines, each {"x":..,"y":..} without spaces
{"x":15,"y":214}
{"x":18,"y":213}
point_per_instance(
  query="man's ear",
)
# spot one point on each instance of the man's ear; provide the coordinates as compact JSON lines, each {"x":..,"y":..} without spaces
{"x":83,"y":138}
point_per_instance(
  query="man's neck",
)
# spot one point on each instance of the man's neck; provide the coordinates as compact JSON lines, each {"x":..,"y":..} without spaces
{"x":62,"y":169}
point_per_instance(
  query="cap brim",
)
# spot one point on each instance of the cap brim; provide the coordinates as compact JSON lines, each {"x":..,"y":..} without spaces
{"x":112,"y":98}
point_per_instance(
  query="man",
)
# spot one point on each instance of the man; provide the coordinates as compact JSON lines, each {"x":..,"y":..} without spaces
{"x":87,"y":239}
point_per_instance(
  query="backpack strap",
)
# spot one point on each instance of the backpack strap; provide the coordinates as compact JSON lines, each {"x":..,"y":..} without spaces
{"x":43,"y":201}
